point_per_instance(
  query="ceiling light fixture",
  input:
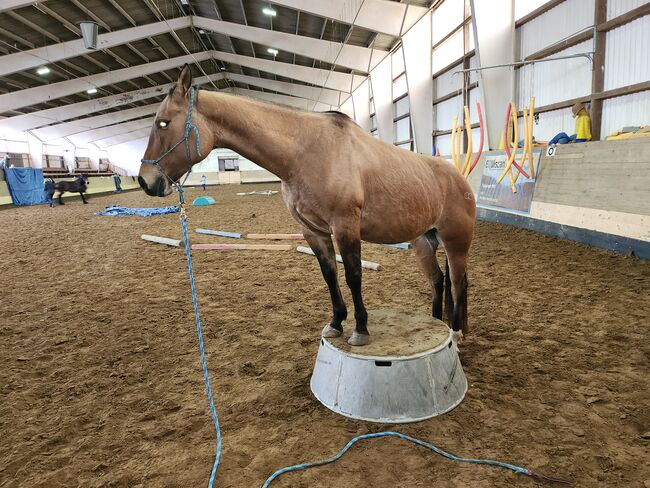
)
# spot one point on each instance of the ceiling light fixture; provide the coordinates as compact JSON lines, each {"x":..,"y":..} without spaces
{"x":43,"y":70}
{"x":269,"y":11}
{"x":91,"y":91}
{"x":201,"y":31}
{"x":273,"y":51}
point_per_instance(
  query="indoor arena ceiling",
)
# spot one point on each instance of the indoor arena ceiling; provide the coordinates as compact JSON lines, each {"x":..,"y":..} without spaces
{"x":229,"y":43}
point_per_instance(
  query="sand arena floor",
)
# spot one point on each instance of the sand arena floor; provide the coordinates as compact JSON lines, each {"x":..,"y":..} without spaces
{"x":100,"y":382}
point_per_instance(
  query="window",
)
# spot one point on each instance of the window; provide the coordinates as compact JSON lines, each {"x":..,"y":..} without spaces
{"x":399,"y":86}
{"x":228,"y":164}
{"x":19,"y":160}
{"x":104,"y":163}
{"x":401,"y":107}
{"x":82,"y":162}
{"x":397,"y":63}
{"x":53,"y":161}
{"x":403,"y":130}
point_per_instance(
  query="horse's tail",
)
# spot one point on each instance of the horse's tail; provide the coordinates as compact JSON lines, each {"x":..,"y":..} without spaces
{"x":449,"y":300}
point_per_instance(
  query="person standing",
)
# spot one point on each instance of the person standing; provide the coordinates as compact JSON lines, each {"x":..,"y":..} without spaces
{"x":118,"y":183}
{"x":203,"y":181}
{"x":49,"y":191}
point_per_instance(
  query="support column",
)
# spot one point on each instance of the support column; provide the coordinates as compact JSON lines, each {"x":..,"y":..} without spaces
{"x":361,"y":100}
{"x":416,"y":46}
{"x":382,"y":93}
{"x":598,"y":72}
{"x":494,"y":37}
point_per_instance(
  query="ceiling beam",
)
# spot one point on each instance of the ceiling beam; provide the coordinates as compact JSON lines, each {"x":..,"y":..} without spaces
{"x":325,"y":95}
{"x":376,"y":15}
{"x":122,"y":138}
{"x":59,"y":114}
{"x":24,"y":60}
{"x":39,"y":94}
{"x":81,"y":125}
{"x":330,"y":79}
{"x":83,"y":138}
{"x":352,"y":57}
{"x":300,"y":103}
{"x":14,"y":4}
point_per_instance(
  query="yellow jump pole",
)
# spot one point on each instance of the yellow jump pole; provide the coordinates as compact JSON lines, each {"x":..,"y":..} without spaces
{"x":530,"y":135}
{"x":453,"y":140}
{"x":512,"y":153}
{"x":459,"y":133}
{"x":468,"y":152}
{"x":524,"y":152}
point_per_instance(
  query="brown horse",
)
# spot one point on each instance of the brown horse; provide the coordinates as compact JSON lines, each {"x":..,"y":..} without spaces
{"x":337,"y":181}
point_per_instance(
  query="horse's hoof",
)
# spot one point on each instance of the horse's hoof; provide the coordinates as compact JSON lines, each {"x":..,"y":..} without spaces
{"x":358,"y":339}
{"x":330,"y":332}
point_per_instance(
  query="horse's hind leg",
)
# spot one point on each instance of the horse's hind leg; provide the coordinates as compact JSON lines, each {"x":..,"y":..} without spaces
{"x":425,"y":251}
{"x":458,"y":278}
{"x":324,"y":250}
{"x":60,"y":199}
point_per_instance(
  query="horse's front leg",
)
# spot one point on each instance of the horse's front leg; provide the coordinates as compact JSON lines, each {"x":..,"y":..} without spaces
{"x":324,"y":250}
{"x":348,"y":238}
{"x":60,"y":199}
{"x":83,"y":197}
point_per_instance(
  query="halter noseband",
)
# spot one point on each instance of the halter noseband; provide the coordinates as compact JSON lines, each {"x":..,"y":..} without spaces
{"x":189,"y":127}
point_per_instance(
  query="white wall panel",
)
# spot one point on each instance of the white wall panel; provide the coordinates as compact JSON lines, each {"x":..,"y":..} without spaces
{"x":555,"y":81}
{"x":626,"y":54}
{"x":562,"y":21}
{"x":619,"y":7}
{"x":625,"y":111}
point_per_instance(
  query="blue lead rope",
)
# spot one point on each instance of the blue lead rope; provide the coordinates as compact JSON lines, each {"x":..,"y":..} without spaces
{"x":190,"y":127}
{"x":199,"y":333}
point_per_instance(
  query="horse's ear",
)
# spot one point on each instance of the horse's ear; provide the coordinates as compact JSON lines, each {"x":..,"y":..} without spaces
{"x":184,"y":80}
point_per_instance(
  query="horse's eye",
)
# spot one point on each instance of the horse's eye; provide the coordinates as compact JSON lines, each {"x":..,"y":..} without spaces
{"x":163,"y":124}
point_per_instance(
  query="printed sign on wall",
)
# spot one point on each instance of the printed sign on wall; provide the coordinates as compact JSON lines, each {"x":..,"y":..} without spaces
{"x":500,"y":195}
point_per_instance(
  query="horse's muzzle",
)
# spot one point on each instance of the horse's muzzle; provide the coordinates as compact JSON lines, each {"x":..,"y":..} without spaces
{"x":159,"y":188}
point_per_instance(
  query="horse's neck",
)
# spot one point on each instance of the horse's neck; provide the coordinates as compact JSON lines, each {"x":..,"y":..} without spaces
{"x":268,"y":135}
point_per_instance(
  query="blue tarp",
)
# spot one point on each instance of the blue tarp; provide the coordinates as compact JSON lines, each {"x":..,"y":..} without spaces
{"x":117,"y":210}
{"x":26,"y":185}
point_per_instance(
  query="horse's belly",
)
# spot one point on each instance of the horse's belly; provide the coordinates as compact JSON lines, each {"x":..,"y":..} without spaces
{"x":395,"y":225}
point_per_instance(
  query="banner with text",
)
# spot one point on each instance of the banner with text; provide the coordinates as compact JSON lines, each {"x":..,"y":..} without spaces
{"x":500,"y":195}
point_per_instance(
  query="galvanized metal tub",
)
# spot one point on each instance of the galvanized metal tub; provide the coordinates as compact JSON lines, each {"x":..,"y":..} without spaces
{"x":409,"y":372}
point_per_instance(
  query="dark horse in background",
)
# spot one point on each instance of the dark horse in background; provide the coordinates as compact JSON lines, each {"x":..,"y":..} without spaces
{"x":78,"y":185}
